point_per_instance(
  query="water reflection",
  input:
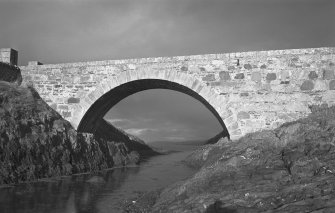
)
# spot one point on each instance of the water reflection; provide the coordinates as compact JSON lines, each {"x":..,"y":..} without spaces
{"x":102,"y":193}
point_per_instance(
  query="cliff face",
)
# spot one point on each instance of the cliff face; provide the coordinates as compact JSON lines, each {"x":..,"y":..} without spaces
{"x":107,"y":131}
{"x":35,"y":141}
{"x":10,"y":73}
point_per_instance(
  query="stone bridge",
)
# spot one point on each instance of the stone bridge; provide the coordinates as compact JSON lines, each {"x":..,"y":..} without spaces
{"x":247,"y":91}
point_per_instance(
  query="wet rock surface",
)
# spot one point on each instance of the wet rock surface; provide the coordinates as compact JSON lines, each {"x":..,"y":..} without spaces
{"x":289,"y":169}
{"x":36,"y":142}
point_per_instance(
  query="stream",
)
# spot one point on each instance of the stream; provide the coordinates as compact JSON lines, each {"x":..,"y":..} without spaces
{"x":98,"y":193}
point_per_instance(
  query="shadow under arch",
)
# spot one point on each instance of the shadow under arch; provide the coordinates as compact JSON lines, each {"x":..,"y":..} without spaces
{"x":101,"y":106}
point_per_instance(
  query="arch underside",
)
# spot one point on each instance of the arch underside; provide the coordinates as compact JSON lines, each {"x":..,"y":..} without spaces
{"x":101,"y":106}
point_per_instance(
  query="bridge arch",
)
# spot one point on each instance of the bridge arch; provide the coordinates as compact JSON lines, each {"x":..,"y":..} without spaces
{"x":112,"y":90}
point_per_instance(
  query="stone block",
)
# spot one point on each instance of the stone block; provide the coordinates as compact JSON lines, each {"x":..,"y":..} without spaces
{"x":66,"y":114}
{"x":224,"y":75}
{"x":320,"y":85}
{"x":332,"y":85}
{"x":271,"y":76}
{"x":184,"y":68}
{"x":215,"y":83}
{"x":239,"y":76}
{"x":312,"y":75}
{"x":284,"y":82}
{"x":263,"y":66}
{"x":243,"y":115}
{"x":63,"y":107}
{"x":307,"y":85}
{"x":54,"y":106}
{"x":247,"y":66}
{"x":284,"y":75}
{"x":256,"y":76}
{"x":217,"y":62}
{"x":328,"y":74}
{"x":232,"y":126}
{"x":73,"y":100}
{"x":209,"y":77}
{"x":231,"y":67}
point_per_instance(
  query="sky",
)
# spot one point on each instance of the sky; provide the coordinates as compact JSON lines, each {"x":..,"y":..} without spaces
{"x":59,"y":31}
{"x":153,"y":117}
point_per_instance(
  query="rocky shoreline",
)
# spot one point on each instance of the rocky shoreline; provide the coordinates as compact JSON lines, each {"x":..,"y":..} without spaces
{"x":289,"y":169}
{"x":36,"y":142}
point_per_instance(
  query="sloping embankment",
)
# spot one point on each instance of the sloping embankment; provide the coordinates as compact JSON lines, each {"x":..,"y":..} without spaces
{"x":36,"y":142}
{"x":289,"y":169}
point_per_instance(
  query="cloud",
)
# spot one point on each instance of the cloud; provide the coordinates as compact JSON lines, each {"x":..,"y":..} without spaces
{"x":163,"y":115}
{"x":97,"y":30}
{"x":139,"y":132}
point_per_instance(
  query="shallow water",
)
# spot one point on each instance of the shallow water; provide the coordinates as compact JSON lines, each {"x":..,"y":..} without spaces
{"x":75,"y":194}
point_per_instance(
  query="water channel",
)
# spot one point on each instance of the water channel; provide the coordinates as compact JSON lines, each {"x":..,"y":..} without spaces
{"x":78,"y":193}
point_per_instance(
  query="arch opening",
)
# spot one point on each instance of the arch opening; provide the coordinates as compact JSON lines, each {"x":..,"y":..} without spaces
{"x":101,"y":106}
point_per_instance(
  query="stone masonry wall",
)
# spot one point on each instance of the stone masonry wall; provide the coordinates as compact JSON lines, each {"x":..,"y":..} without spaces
{"x":8,"y":55}
{"x":256,"y":90}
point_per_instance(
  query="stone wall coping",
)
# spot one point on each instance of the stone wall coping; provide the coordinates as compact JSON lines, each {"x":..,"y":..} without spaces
{"x":222,"y":56}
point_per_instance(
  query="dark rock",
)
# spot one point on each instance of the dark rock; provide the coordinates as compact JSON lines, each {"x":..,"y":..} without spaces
{"x":224,"y":75}
{"x":73,"y":100}
{"x":124,"y":141}
{"x":332,"y":85}
{"x":184,"y":68}
{"x":271,"y":76}
{"x":307,"y":85}
{"x":284,"y":82}
{"x":312,"y":75}
{"x":10,"y":73}
{"x":263,"y":66}
{"x":239,"y":76}
{"x":295,"y":59}
{"x":231,"y":68}
{"x":36,"y":142}
{"x":247,"y":66}
{"x":243,"y":115}
{"x":216,"y":138}
{"x":328,"y":74}
{"x":209,"y":77}
{"x":215,"y":83}
{"x":289,"y":169}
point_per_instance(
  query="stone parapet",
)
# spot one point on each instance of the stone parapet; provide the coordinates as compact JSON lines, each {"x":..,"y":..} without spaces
{"x":8,"y":55}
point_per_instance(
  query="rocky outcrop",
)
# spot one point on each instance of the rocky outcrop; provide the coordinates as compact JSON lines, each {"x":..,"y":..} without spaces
{"x":289,"y":169}
{"x":10,"y":73}
{"x":36,"y":142}
{"x":107,"y":131}
{"x":216,"y":138}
